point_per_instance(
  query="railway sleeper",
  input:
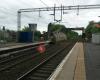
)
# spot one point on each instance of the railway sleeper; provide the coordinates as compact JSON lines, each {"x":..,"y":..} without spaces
{"x":45,"y":75}
{"x":35,"y":78}
{"x":43,"y":68}
{"x":42,"y":71}
{"x":47,"y":69}
{"x":48,"y":66}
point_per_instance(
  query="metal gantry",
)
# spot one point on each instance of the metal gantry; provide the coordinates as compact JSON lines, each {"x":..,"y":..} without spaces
{"x":60,"y":8}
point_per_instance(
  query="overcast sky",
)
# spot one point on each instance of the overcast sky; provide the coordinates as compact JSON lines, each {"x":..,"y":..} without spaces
{"x":9,"y":8}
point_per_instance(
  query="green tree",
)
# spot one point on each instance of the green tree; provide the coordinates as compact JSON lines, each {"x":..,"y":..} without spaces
{"x":96,"y":29}
{"x":92,"y":28}
{"x":55,"y":27}
{"x":37,"y":35}
{"x":26,"y":29}
{"x":72,"y":35}
{"x":58,"y":27}
{"x":88,"y":29}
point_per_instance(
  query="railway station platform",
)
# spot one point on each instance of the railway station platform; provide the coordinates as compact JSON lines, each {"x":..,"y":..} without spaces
{"x":3,"y":45}
{"x":82,"y":63}
{"x":14,"y":46}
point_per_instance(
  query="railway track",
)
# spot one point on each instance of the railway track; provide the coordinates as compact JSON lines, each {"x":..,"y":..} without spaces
{"x":15,"y":54}
{"x":21,"y":56}
{"x":15,"y":69}
{"x":12,"y":53}
{"x":21,"y":47}
{"x":21,"y":66}
{"x":45,"y":69}
{"x":16,"y":50}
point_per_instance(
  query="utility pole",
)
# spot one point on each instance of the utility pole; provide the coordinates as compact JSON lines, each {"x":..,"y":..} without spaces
{"x":54,"y":12}
{"x":19,"y":20}
{"x":61,"y":12}
{"x":77,"y":10}
{"x":77,"y":7}
{"x":3,"y":29}
{"x":18,"y":24}
{"x":39,"y":14}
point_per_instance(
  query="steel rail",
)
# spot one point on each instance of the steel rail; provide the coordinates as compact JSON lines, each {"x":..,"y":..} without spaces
{"x":42,"y":63}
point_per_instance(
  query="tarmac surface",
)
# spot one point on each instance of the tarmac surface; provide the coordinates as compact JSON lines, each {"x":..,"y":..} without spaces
{"x":92,"y":61}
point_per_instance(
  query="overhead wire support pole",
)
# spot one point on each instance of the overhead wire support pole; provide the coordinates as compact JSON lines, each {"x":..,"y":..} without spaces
{"x":54,"y":12}
{"x":18,"y":24}
{"x":59,"y":8}
{"x":19,"y":20}
{"x":97,"y":6}
{"x":77,"y":10}
{"x":39,"y":14}
{"x":61,"y":12}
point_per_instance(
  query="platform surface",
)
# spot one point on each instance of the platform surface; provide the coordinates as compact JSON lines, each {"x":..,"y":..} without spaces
{"x":2,"y":45}
{"x":10,"y":45}
{"x":72,"y":67}
{"x":16,"y":45}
